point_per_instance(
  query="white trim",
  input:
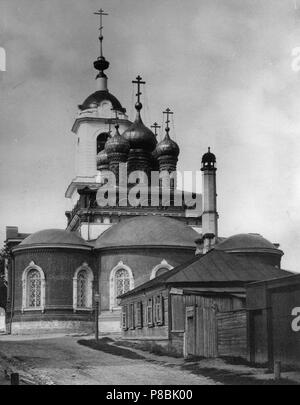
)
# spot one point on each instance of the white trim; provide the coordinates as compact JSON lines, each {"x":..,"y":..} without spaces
{"x":162,"y":265}
{"x":112,"y":297}
{"x":90,"y":274}
{"x":25,"y":307}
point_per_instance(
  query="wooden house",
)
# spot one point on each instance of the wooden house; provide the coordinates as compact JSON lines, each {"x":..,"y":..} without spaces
{"x":197,"y":308}
{"x":274,"y":321}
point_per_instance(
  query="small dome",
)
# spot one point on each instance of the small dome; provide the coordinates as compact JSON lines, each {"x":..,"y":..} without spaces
{"x":139,"y":136}
{"x":102,"y":159}
{"x":247,"y":242}
{"x":54,"y":237}
{"x":208,"y":157}
{"x":167,"y":147}
{"x":116,"y":144}
{"x":95,"y":99}
{"x":150,"y":230}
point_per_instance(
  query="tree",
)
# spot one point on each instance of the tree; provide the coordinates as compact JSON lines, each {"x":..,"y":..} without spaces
{"x":3,"y":282}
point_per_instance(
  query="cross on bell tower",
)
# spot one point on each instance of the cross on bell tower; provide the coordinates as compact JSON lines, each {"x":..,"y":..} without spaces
{"x":101,"y":63}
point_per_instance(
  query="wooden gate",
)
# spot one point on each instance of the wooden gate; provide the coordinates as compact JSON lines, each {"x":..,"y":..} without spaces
{"x":200,"y":337}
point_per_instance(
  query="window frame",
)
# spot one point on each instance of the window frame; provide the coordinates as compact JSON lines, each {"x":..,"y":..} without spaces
{"x":25,"y":306}
{"x":90,"y":282}
{"x":139,"y":315}
{"x":149,"y":312}
{"x":125,"y":317}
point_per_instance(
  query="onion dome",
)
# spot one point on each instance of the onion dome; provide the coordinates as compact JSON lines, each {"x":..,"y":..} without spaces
{"x":167,"y":147}
{"x":208,"y":160}
{"x":102,"y":160}
{"x":138,"y":135}
{"x":117,"y":144}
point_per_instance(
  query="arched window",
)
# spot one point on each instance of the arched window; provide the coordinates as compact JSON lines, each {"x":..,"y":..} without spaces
{"x":121,"y":281}
{"x":161,"y":268}
{"x":33,"y":281}
{"x":83,"y":288}
{"x":33,"y":289}
{"x":100,"y":142}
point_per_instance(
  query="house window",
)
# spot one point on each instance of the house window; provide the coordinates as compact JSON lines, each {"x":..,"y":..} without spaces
{"x":132,"y":316}
{"x":150,"y":312}
{"x":125,"y":317}
{"x":121,"y":281}
{"x":139,"y":315}
{"x":158,"y":310}
{"x":83,"y":288}
{"x":33,"y":288}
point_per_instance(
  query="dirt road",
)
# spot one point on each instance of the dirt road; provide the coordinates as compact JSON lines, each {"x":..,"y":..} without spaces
{"x":61,"y":360}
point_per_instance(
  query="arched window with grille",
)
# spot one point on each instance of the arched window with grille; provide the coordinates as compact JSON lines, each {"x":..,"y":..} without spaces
{"x":121,"y":281}
{"x":83,"y":288}
{"x":33,"y":286}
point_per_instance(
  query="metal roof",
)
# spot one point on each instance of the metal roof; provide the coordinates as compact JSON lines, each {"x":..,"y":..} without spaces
{"x":214,"y":268}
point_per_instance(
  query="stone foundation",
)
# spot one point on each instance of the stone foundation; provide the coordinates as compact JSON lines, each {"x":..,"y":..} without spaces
{"x":110,"y":322}
{"x":41,"y":327}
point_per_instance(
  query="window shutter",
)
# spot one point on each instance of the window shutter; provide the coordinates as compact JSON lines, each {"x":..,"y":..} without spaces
{"x":132,"y":316}
{"x":139,"y":314}
{"x":125,"y":317}
{"x":150,"y":312}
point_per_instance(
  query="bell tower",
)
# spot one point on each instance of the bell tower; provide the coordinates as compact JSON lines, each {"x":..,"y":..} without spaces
{"x":92,"y":126}
{"x":210,"y":214}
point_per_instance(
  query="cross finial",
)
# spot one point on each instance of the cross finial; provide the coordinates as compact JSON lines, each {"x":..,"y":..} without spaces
{"x":168,"y":112}
{"x":101,"y":14}
{"x":138,"y":81}
{"x":156,"y":127}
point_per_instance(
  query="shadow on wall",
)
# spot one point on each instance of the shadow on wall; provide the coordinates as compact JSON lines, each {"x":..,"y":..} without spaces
{"x":2,"y":320}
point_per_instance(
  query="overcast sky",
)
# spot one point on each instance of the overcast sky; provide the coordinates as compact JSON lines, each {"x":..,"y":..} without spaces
{"x":223,"y":66}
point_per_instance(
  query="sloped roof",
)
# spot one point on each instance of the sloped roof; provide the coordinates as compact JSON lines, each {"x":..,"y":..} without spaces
{"x":150,"y":230}
{"x":213,"y":268}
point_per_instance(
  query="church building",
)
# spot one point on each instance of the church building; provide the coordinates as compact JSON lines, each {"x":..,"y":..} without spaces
{"x":54,"y":275}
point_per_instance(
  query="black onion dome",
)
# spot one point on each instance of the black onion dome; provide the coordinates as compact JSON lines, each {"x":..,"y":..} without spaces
{"x":95,"y":99}
{"x":102,"y":158}
{"x":208,"y":157}
{"x":139,"y":136}
{"x":167,"y":147}
{"x":117,"y":144}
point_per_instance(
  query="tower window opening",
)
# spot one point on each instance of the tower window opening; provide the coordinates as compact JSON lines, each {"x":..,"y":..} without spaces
{"x":101,"y":140}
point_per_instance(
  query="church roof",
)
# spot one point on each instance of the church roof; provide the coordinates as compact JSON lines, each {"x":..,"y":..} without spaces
{"x":53,"y":237}
{"x":148,"y":231}
{"x":215,"y":268}
{"x":247,"y":242}
{"x":97,"y":98}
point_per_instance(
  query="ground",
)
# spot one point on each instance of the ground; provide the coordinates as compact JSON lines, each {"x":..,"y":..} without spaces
{"x":68,"y":360}
{"x":61,"y":360}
